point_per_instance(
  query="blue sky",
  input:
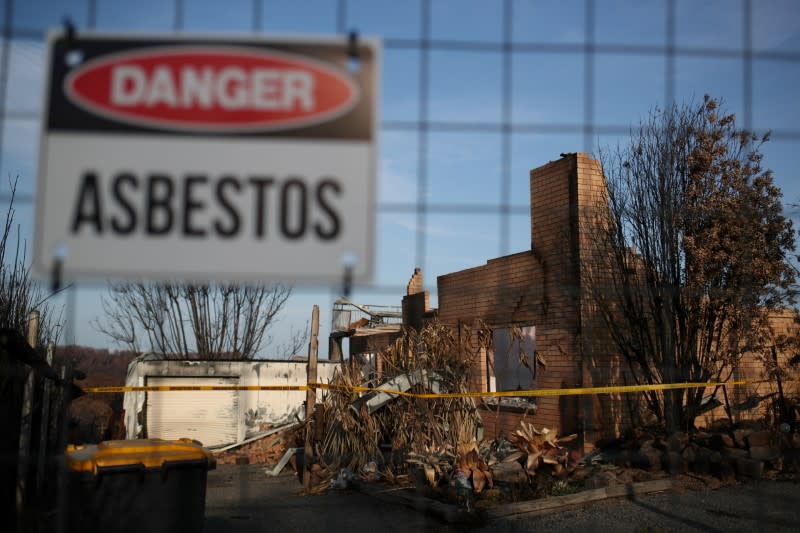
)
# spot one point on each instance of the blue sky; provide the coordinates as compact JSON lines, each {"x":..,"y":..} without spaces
{"x":466,"y":73}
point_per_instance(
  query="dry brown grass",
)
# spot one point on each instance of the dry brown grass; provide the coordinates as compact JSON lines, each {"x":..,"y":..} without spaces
{"x":351,"y":439}
{"x":420,"y":426}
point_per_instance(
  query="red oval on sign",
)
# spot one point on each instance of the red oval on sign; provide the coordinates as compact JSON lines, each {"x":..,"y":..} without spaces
{"x":212,"y":88}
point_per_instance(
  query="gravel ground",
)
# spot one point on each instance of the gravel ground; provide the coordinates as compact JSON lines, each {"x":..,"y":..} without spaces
{"x":243,"y":498}
{"x":756,"y":506}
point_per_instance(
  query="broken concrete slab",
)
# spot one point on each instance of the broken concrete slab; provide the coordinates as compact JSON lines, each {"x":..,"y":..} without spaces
{"x":290,"y":452}
{"x":689,"y":454}
{"x":759,"y":438}
{"x":764,"y":453}
{"x":678,"y":441}
{"x":735,"y":453}
{"x":601,"y":479}
{"x":510,"y":472}
{"x":652,"y":456}
{"x":675,"y":463}
{"x":719,"y":441}
{"x":402,"y":383}
{"x":702,"y":462}
{"x":750,"y":468}
{"x":258,"y":436}
{"x":740,"y":436}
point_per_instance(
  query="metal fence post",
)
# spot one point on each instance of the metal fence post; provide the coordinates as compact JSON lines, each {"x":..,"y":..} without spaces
{"x":45,"y":425}
{"x":26,"y":421}
{"x":62,"y":494}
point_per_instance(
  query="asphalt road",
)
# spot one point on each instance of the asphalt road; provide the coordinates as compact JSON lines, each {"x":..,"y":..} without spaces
{"x":243,"y":498}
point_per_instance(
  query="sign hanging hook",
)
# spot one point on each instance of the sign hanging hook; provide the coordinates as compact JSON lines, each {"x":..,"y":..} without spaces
{"x":353,"y":57}
{"x":73,"y":56}
{"x":348,"y":263}
{"x":56,"y":272}
{"x":69,"y":33}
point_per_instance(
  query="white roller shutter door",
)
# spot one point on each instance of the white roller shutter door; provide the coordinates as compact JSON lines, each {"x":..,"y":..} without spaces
{"x":210,"y":417}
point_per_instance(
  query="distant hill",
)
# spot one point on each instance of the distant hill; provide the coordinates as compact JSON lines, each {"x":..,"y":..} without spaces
{"x":101,"y":366}
{"x":96,"y":417}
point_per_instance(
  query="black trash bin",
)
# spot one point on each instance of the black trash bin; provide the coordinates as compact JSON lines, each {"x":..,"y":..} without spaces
{"x":143,"y":486}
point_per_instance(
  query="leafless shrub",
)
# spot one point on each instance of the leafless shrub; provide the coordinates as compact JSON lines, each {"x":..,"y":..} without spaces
{"x":296,"y":342}
{"x":19,"y":293}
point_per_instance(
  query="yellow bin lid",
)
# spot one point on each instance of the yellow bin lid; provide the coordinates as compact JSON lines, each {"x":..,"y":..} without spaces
{"x":147,"y":453}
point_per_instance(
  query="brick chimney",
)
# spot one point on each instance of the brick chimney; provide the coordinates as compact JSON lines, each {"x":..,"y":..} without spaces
{"x":561,"y":192}
{"x":416,"y":302}
{"x":415,"y":284}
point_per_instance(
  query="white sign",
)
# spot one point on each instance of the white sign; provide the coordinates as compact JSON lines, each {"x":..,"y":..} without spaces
{"x":181,"y":158}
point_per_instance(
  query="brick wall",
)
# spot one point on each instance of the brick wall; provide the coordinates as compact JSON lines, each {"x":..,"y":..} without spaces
{"x":753,"y":367}
{"x":372,"y":343}
{"x":605,"y":415}
{"x":539,"y":287}
{"x":550,"y":287}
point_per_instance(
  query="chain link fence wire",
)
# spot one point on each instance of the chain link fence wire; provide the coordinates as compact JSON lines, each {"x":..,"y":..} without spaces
{"x":519,"y":60}
{"x":431,"y":125}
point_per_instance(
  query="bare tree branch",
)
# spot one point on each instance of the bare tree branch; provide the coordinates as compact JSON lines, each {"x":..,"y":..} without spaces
{"x":297,"y":343}
{"x":191,"y":321}
{"x":19,"y":293}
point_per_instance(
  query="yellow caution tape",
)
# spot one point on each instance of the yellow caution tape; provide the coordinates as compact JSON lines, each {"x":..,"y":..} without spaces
{"x":165,"y":388}
{"x":621,"y":389}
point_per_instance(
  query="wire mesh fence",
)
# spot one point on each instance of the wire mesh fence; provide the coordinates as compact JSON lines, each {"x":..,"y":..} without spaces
{"x":475,"y":94}
{"x":498,"y":69}
{"x":495,"y":100}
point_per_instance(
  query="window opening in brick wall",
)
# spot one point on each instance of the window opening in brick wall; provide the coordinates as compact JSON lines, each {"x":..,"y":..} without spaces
{"x":513,"y":365}
{"x":367,"y":362}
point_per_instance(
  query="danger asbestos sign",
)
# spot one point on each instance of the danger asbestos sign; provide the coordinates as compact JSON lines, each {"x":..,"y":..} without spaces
{"x":172,"y":157}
